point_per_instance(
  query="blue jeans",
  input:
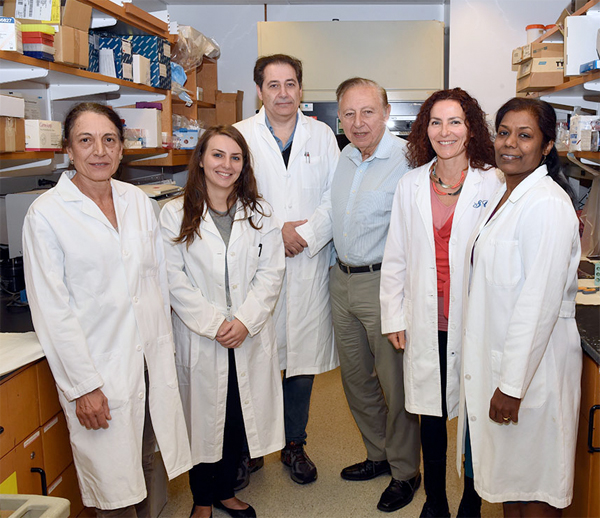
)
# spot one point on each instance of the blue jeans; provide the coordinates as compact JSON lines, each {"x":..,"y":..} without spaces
{"x":296,"y":403}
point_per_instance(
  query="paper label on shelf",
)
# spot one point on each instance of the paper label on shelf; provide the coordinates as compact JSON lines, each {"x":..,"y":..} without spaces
{"x":34,"y":9}
{"x":126,"y":47}
{"x":55,"y":485}
{"x":163,"y":70}
{"x":31,"y":439}
{"x":50,"y":424}
{"x":167,"y":49}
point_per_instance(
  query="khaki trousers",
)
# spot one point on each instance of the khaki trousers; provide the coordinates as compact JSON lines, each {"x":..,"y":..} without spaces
{"x":372,"y":373}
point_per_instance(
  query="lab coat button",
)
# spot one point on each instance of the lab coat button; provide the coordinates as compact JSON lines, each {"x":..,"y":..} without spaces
{"x":232,"y":254}
{"x":452,"y":353}
{"x":243,"y":374}
{"x":473,"y":418}
{"x":135,"y":300}
{"x":453,"y":326}
{"x":467,"y":376}
{"x":246,"y":402}
{"x":452,"y":298}
{"x":125,"y":253}
{"x":234,"y":286}
{"x":139,"y":347}
{"x":141,"y":395}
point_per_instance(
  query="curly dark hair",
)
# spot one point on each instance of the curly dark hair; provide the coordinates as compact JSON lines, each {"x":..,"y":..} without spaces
{"x":480,"y":149}
{"x":195,"y":194}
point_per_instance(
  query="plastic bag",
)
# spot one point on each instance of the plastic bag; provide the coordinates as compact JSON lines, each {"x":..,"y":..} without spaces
{"x":590,"y":216}
{"x":192,"y":46}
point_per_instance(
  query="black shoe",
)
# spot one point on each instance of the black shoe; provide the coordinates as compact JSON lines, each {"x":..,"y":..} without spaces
{"x":398,"y":494}
{"x":366,"y":470}
{"x":303,"y":470}
{"x":435,"y":509}
{"x":249,"y":512}
{"x":242,"y":478}
{"x":256,"y":464}
{"x":192,"y":512}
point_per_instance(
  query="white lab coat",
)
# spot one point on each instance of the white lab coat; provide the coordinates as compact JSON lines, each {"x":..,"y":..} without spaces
{"x":256,"y":262}
{"x":100,"y":306}
{"x":521,"y":337}
{"x":302,"y":191}
{"x":408,"y":293}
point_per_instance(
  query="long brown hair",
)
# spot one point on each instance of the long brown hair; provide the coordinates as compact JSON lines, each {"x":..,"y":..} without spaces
{"x":480,"y":149}
{"x":195,"y":195}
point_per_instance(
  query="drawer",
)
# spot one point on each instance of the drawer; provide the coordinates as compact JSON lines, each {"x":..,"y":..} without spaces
{"x":30,"y":454}
{"x":19,"y":414}
{"x":57,"y":448}
{"x":66,"y":486}
{"x":47,"y":394}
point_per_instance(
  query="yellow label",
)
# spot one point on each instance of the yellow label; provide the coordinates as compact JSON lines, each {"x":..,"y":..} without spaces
{"x":9,"y":485}
{"x":55,"y":13}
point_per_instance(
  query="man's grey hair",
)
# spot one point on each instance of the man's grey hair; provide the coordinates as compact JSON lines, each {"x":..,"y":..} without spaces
{"x":361,"y":81}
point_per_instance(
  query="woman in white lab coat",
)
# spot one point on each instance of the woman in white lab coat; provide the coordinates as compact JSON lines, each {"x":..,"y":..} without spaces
{"x":97,"y":288}
{"x":522,"y":354}
{"x":226,"y":262}
{"x":436,"y":206}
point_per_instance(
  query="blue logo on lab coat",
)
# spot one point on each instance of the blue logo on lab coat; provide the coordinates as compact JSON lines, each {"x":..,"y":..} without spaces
{"x":479,"y":203}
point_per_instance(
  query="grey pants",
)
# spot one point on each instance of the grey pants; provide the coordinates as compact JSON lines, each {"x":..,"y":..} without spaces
{"x":372,"y":373}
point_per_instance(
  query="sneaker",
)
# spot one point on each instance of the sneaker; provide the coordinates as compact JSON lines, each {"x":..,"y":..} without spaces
{"x":303,"y":470}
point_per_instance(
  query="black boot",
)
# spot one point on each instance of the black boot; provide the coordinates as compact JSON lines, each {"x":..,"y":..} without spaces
{"x":436,"y":504}
{"x":470,"y":504}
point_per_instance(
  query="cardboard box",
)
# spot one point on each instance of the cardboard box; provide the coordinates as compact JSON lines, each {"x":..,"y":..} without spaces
{"x":158,"y":51}
{"x":543,"y":50}
{"x":11,"y":106}
{"x":33,"y":11}
{"x":517,"y":55}
{"x":41,"y":135}
{"x":540,"y":73}
{"x":77,"y":15}
{"x":71,"y":46}
{"x":11,"y":38}
{"x":122,"y":55}
{"x":146,"y":119}
{"x":12,"y":134}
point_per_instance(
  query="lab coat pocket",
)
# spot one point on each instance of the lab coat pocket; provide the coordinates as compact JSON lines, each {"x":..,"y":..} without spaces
{"x":110,"y":367}
{"x":408,"y":352}
{"x":254,"y":254}
{"x":141,"y":250}
{"x":505,"y":264}
{"x":535,"y":396}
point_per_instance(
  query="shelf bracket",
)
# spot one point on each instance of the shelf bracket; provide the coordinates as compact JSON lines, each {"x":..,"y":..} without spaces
{"x":60,"y":92}
{"x":592,"y":85}
{"x":18,"y":72}
{"x":579,"y":163}
{"x":26,"y":164}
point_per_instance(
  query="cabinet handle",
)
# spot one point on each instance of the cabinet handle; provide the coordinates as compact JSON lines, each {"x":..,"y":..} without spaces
{"x":1,"y":429}
{"x":43,"y":478}
{"x":591,"y":448}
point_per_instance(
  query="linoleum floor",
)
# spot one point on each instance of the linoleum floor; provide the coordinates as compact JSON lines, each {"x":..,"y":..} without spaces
{"x":333,"y":443}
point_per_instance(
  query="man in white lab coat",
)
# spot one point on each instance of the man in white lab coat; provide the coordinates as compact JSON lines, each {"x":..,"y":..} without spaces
{"x":294,"y":160}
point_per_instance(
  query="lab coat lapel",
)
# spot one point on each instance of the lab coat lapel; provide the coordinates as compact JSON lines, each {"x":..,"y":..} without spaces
{"x":120,"y":202}
{"x":267,"y":136}
{"x":467,"y":195}
{"x":240,"y":224}
{"x":423,"y":196}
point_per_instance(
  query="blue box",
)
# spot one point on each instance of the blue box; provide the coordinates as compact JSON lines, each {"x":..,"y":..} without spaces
{"x":94,"y":56}
{"x":122,"y":53}
{"x":587,"y":67}
{"x":158,"y":51}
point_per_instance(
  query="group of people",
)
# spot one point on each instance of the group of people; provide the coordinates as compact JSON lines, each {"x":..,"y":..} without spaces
{"x":440,"y":271}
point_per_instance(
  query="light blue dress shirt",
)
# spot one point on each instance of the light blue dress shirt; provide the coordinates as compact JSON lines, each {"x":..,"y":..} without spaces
{"x":282,"y":146}
{"x":362,"y":193}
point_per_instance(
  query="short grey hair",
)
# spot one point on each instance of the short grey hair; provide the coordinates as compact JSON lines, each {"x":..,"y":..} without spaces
{"x":361,"y":81}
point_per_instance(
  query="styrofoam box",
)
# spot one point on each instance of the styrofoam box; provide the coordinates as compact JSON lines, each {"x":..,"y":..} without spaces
{"x":147,"y":119}
{"x":11,"y":106}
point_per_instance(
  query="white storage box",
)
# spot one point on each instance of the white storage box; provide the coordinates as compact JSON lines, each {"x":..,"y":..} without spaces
{"x":11,"y":37}
{"x":11,"y":106}
{"x":41,"y":135}
{"x":581,"y":33}
{"x":144,"y":118}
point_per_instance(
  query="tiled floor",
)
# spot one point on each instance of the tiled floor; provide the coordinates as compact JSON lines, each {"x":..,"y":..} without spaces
{"x":333,"y":443}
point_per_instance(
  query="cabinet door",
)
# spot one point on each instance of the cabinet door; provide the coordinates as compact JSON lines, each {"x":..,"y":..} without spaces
{"x":66,"y":486}
{"x":57,"y":448}
{"x":18,"y":409}
{"x":30,"y":454}
{"x":48,"y":396}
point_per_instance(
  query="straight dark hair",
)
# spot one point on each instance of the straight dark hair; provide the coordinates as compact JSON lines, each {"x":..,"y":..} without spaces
{"x":195,"y":195}
{"x":278,"y":59}
{"x":545,"y":116}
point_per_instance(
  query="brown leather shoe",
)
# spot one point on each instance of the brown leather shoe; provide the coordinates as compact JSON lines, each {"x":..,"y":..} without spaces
{"x":303,"y":470}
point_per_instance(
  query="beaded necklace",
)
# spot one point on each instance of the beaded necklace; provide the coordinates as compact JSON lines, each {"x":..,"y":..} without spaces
{"x":436,"y":180}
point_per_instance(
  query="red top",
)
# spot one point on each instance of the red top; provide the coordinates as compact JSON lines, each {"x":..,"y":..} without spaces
{"x":442,"y":227}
